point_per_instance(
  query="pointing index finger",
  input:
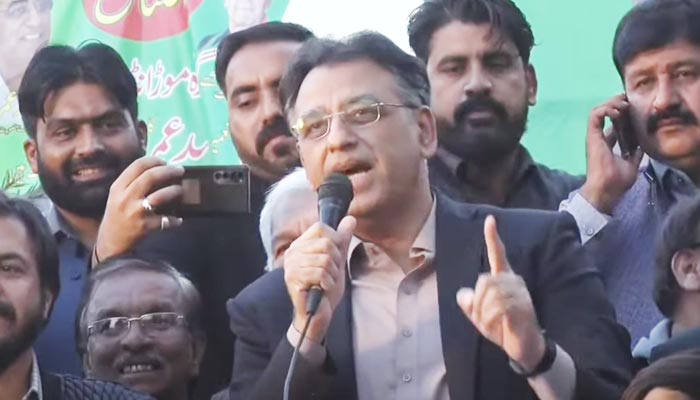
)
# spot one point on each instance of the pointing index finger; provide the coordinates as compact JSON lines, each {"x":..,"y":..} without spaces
{"x":494,"y":247}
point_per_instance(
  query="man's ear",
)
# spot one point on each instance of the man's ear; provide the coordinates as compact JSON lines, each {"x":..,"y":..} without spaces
{"x":31,"y":151}
{"x":686,"y":269}
{"x":301,"y":156}
{"x":199,"y":344}
{"x":48,"y":304}
{"x":87,"y":366}
{"x":531,"y":79}
{"x":427,"y":135}
{"x":142,"y":132}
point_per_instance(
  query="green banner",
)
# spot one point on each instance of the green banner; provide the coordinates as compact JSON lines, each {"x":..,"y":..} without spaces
{"x":170,"y":47}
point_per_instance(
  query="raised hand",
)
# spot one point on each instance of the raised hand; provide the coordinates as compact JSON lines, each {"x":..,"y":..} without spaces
{"x":608,"y":176}
{"x":127,"y":218}
{"x":500,"y":306}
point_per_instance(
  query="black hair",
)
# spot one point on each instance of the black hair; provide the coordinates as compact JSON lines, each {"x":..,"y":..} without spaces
{"x":681,"y":230}
{"x":265,"y":32}
{"x":503,"y":16}
{"x":406,"y":69}
{"x":42,"y":240}
{"x":653,"y":24}
{"x":117,"y":265}
{"x":679,"y":372}
{"x":55,"y":67}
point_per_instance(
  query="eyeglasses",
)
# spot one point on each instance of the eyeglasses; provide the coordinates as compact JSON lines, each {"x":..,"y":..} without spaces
{"x":360,"y":115}
{"x":20,"y":9}
{"x":151,"y":324}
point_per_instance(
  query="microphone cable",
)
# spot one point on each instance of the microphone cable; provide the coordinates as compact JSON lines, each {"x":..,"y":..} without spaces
{"x":295,"y":356}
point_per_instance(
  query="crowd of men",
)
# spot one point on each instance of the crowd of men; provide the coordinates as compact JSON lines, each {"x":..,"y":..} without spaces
{"x":464,"y":269}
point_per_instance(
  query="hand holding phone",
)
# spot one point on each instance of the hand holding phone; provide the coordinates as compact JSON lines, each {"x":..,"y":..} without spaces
{"x":625,"y":134}
{"x":608,"y":175}
{"x":214,"y":191}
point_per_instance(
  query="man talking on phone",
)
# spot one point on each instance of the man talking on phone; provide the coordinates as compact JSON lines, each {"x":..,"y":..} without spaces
{"x":620,"y":207}
{"x":425,"y":298}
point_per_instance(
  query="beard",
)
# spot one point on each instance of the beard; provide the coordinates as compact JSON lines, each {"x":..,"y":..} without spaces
{"x":86,"y":199}
{"x":13,"y":345}
{"x":485,"y":142}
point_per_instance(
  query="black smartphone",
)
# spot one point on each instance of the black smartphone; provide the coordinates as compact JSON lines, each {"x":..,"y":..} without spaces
{"x":214,"y":191}
{"x":626,"y":137}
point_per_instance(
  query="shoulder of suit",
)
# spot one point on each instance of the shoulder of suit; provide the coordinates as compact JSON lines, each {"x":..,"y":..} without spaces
{"x":269,"y":286}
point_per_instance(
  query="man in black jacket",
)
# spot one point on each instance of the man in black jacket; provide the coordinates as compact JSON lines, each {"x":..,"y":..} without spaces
{"x":29,"y":284}
{"x":536,"y":324}
{"x":477,"y":54}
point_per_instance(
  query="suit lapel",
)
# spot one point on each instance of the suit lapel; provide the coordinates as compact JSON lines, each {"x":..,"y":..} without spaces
{"x":458,"y":262}
{"x":340,"y":347}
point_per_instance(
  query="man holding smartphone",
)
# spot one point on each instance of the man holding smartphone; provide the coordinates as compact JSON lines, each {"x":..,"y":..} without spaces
{"x":619,"y":208}
{"x":104,"y":198}
{"x":87,"y":145}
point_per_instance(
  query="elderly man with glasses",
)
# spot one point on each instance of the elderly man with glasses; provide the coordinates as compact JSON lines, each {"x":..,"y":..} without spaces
{"x":139,"y":325}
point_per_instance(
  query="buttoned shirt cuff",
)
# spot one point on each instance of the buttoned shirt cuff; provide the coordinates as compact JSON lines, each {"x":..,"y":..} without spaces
{"x":590,"y":221}
{"x":313,"y":352}
{"x":559,"y":383}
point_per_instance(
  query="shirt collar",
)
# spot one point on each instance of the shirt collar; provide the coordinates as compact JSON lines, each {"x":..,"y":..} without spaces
{"x":456,"y":165}
{"x":661,"y":170}
{"x":423,"y":245}
{"x":4,"y":92}
{"x":34,"y":392}
{"x":56,"y":222}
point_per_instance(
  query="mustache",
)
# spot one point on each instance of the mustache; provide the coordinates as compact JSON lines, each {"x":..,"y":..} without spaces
{"x":278,"y":127}
{"x":7,"y":311}
{"x":479,"y":103}
{"x":677,"y":112}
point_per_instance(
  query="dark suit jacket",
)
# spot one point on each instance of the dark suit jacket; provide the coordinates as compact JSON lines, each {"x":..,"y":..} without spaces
{"x":67,"y":387}
{"x":221,"y":256}
{"x":543,"y":248}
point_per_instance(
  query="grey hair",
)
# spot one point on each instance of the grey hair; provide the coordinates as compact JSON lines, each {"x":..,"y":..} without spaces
{"x":114,"y":266}
{"x":295,"y":181}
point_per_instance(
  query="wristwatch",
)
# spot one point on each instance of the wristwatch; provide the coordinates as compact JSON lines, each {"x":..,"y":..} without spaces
{"x":550,"y":354}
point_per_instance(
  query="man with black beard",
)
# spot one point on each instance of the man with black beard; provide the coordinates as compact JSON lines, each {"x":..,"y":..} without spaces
{"x":79,"y":109}
{"x":29,"y":285}
{"x":477,"y":55}
{"x":103,"y":195}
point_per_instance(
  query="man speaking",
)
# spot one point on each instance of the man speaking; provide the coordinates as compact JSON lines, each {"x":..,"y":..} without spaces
{"x":395,"y":321}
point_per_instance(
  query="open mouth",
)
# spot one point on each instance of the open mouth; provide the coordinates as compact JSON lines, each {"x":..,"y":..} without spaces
{"x":31,"y":36}
{"x":139,"y":368}
{"x":355,"y":169}
{"x":90,"y":174}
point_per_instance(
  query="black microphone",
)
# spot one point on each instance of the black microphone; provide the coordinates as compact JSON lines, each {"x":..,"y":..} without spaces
{"x":334,"y":197}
